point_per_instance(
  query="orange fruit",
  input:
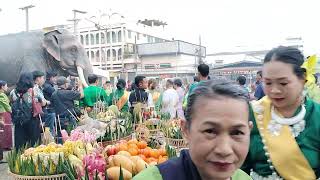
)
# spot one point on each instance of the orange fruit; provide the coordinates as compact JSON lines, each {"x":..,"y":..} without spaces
{"x":145,"y":152}
{"x":133,"y":141}
{"x":162,"y":152}
{"x":123,"y":147}
{"x":133,"y":146}
{"x":154,"y":153}
{"x":133,"y":151}
{"x":142,"y":144}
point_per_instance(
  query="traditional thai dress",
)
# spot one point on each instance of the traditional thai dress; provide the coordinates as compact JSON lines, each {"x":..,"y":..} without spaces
{"x":120,"y":99}
{"x":280,"y":151}
{"x":181,"y":168}
{"x":5,"y":116}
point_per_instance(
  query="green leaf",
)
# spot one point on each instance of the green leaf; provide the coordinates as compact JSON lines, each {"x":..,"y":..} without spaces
{"x":96,"y":176}
{"x":86,"y":173}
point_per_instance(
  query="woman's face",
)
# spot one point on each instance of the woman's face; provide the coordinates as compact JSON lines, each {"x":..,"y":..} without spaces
{"x":281,"y":85}
{"x":218,"y":136}
{"x":5,"y":88}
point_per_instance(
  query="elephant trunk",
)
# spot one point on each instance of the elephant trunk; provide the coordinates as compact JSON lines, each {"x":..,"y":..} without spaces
{"x":81,"y":76}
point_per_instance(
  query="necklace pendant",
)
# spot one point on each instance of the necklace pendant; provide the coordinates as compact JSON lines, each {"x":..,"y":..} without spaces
{"x":274,"y":128}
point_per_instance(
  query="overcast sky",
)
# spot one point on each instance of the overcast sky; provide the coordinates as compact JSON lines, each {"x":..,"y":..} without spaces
{"x":222,"y":24}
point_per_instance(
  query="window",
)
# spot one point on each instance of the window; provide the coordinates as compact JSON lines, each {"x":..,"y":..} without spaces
{"x":92,"y":56}
{"x":87,"y":39}
{"x":129,"y":34}
{"x":97,"y":38}
{"x":149,"y":66}
{"x":81,"y":39}
{"x":108,"y":55}
{"x":165,"y":65}
{"x":120,"y":54}
{"x":92,"y":39}
{"x":114,"y":37}
{"x":108,"y":37}
{"x":119,"y":36}
{"x":98,"y":56}
{"x":102,"y":38}
{"x":150,"y":39}
{"x":114,"y":54}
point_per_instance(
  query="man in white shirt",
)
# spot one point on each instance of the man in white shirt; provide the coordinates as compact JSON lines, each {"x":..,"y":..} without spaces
{"x":170,"y":99}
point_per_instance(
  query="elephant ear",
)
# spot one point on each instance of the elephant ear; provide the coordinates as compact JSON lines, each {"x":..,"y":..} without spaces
{"x":51,"y":44}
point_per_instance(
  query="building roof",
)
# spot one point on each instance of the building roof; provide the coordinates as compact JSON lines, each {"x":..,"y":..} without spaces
{"x":171,"y":47}
{"x":240,"y":64}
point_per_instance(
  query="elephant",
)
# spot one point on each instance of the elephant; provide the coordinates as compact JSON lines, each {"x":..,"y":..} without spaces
{"x":57,"y":50}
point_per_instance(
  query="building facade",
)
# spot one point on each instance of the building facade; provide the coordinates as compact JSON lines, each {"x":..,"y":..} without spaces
{"x":124,"y":52}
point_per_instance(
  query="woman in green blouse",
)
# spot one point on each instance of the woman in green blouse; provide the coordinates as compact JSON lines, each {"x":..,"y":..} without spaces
{"x":218,"y":133}
{"x":285,"y":139}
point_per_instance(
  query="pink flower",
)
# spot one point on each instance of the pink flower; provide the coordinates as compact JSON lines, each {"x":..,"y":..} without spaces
{"x":94,"y":162}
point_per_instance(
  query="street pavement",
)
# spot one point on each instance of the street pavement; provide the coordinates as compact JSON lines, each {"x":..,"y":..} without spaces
{"x":4,"y":171}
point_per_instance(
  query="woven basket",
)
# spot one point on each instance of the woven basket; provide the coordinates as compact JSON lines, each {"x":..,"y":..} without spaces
{"x":51,"y":177}
{"x":156,"y":129}
{"x":106,"y":143}
{"x":177,"y":143}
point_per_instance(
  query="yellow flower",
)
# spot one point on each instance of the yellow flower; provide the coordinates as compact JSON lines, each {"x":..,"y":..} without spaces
{"x":310,"y":66}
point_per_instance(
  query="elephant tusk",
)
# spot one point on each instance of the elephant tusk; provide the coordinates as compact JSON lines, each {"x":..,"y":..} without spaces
{"x":81,"y":76}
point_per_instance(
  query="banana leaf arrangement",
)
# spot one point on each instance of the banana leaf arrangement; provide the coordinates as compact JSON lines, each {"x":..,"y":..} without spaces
{"x":118,"y":128}
{"x":35,"y":166}
{"x":172,"y":129}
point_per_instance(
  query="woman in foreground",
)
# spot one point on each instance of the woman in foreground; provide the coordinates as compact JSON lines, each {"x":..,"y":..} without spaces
{"x":218,"y":134}
{"x":285,"y":141}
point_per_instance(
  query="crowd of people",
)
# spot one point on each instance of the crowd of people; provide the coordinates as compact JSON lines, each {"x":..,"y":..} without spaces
{"x":269,"y":129}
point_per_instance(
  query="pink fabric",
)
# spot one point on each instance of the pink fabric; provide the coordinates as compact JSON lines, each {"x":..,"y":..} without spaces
{"x":6,"y":135}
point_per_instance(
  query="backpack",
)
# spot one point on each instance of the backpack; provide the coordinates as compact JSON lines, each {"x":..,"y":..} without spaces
{"x":21,"y":111}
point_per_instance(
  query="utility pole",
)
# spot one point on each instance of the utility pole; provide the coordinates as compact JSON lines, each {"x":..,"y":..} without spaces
{"x":199,"y":52}
{"x":75,"y":20}
{"x":26,"y":8}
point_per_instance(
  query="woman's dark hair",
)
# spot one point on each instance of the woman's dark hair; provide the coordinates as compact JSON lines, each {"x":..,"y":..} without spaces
{"x":152,"y":82}
{"x":138,"y":80}
{"x":121,"y":84}
{"x":288,"y":55}
{"x":25,"y":82}
{"x":241,"y":80}
{"x":213,"y":89}
{"x":2,"y":83}
{"x":92,"y":78}
{"x":177,"y":82}
{"x":203,"y":69}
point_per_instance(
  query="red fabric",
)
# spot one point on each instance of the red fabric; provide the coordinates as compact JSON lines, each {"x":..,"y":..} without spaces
{"x":6,"y":135}
{"x":36,"y":106}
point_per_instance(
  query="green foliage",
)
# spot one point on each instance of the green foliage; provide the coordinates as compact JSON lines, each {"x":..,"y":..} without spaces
{"x":171,"y":152}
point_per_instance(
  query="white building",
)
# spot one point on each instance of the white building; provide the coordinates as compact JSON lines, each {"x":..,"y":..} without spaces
{"x":113,"y":48}
{"x":126,"y":49}
{"x":169,"y":59}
